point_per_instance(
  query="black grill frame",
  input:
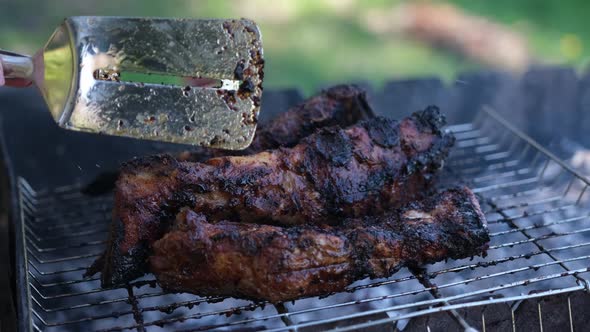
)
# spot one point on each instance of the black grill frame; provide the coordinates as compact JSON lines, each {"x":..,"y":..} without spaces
{"x":537,"y":102}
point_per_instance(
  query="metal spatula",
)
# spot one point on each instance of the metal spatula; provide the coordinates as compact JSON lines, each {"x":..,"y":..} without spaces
{"x":177,"y":80}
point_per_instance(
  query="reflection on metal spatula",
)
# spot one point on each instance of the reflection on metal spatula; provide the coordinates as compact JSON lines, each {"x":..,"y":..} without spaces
{"x":176,"y":80}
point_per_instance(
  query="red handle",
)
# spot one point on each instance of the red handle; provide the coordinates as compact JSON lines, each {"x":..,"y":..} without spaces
{"x":2,"y":81}
{"x":13,"y":82}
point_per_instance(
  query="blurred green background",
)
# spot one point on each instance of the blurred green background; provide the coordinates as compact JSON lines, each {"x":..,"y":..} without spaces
{"x":310,"y":43}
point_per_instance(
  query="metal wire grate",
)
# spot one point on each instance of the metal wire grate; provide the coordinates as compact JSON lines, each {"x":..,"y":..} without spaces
{"x":536,"y":205}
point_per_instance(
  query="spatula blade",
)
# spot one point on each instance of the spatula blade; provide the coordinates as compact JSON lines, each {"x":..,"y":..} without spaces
{"x":186,"y":81}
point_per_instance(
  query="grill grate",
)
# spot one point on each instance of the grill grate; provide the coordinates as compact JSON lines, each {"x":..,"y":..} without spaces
{"x":536,"y":205}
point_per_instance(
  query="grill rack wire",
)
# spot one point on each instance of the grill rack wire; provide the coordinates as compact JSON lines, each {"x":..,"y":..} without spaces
{"x":539,"y":221}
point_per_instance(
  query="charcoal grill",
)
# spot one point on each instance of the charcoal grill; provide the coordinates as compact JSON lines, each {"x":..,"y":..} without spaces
{"x":537,"y":208}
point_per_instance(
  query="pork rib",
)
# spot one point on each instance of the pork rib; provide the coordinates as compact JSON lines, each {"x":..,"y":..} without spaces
{"x":332,"y":174}
{"x":276,"y":264}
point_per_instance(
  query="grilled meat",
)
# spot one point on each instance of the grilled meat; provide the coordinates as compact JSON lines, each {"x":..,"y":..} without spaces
{"x":341,"y":105}
{"x":277,"y":264}
{"x":331,"y":174}
{"x":334,"y":173}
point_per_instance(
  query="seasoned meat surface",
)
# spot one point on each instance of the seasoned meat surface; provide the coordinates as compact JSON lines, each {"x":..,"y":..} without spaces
{"x":332,"y":174}
{"x":275,"y":263}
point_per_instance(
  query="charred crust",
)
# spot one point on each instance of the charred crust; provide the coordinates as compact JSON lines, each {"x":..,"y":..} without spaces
{"x":249,"y":118}
{"x":236,"y":184}
{"x":353,"y":98}
{"x":120,"y":268}
{"x":431,"y":118}
{"x":434,"y":158}
{"x":383,"y":131}
{"x":200,"y":188}
{"x":229,"y":98}
{"x":362,"y":253}
{"x":333,"y":145}
{"x":340,"y":105}
{"x":258,"y":62}
{"x":246,"y":89}
{"x":345,"y":91}
{"x":256,"y":101}
{"x":249,"y":29}
{"x":227,"y":26}
{"x":239,"y":70}
{"x":251,"y":73}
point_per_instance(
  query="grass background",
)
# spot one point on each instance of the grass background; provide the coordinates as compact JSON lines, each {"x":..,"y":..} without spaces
{"x":309,"y":43}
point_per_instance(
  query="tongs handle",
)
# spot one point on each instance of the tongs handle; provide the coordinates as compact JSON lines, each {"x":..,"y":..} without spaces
{"x":16,"y":70}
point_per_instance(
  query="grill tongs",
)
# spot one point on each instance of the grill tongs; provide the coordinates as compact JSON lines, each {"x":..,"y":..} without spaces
{"x":186,"y":81}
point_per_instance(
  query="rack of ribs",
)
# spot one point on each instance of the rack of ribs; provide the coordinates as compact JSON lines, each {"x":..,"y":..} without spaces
{"x":276,"y":264}
{"x":334,"y":173}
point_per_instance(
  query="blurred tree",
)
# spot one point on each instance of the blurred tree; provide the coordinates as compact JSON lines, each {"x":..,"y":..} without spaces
{"x":316,"y":42}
